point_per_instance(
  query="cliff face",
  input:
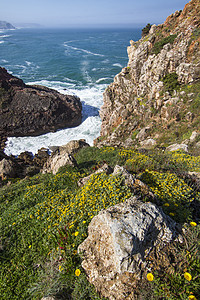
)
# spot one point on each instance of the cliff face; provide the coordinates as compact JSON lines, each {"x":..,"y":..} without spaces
{"x":159,"y":88}
{"x":34,"y":110}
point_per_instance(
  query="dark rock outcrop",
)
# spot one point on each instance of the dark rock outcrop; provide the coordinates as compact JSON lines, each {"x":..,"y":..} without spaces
{"x":33,"y":109}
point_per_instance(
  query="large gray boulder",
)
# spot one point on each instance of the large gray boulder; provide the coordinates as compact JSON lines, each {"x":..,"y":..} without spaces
{"x":7,"y":168}
{"x":63,"y":155}
{"x":176,"y":147}
{"x":57,"y":161}
{"x":119,"y":242}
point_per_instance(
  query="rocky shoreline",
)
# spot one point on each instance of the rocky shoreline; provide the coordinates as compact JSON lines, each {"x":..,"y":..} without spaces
{"x":31,"y":110}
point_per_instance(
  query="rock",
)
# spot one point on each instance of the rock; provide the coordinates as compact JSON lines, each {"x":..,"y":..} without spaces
{"x":189,"y":116}
{"x":148,"y":143}
{"x":74,"y":146}
{"x":105,"y":168}
{"x":7,"y":168}
{"x":139,"y":92}
{"x":58,"y":160}
{"x":129,"y":179}
{"x":144,"y":132}
{"x":33,"y":110}
{"x":63,"y":155}
{"x":119,"y":242}
{"x":176,"y":147}
{"x":41,"y":157}
{"x":197,"y":144}
{"x":27,"y":157}
{"x":193,"y":136}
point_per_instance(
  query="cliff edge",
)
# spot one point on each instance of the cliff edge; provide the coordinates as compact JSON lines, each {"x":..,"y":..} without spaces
{"x":158,"y":92}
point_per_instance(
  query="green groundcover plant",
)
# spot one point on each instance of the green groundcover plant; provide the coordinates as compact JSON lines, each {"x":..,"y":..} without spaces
{"x":44,"y":218}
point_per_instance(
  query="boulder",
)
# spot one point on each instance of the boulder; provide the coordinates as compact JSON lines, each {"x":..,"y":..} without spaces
{"x":62,"y":155}
{"x":105,"y":168}
{"x":33,"y":109}
{"x":193,"y":136}
{"x":148,"y":143}
{"x":7,"y":168}
{"x":176,"y":147}
{"x":120,"y":240}
{"x":74,"y":146}
{"x":144,"y":132}
{"x":58,"y":160}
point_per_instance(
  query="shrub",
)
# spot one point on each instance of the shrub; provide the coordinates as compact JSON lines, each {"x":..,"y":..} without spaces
{"x":159,"y":45}
{"x":170,"y":82}
{"x":146,"y":29}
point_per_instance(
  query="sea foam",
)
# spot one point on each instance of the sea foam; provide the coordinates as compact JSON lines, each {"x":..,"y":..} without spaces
{"x":82,"y":50}
{"x":91,"y":98}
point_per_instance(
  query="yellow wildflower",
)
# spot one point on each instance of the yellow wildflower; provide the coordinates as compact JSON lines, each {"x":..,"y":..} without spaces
{"x":29,"y":246}
{"x":77,"y":272}
{"x":150,"y":277}
{"x":193,"y":223}
{"x":60,"y":268}
{"x":187,"y":276}
{"x":76,"y":233}
{"x":192,"y":297}
{"x":166,"y":204}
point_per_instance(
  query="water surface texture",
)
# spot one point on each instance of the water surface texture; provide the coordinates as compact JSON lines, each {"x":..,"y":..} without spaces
{"x":81,"y":62}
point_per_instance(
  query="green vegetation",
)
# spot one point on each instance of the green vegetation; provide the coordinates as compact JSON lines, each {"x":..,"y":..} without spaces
{"x":146,"y":29}
{"x":45,"y":217}
{"x":195,"y":34}
{"x":157,"y":47}
{"x":170,"y":82}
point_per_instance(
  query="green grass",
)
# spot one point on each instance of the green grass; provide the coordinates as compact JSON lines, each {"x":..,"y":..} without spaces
{"x":44,"y":218}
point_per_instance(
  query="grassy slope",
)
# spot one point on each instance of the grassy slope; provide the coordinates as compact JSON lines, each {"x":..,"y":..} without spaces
{"x":45,"y":218}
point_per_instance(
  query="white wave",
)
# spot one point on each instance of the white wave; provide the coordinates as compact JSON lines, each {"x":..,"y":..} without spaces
{"x":88,"y":130}
{"x":28,"y":62}
{"x":84,"y":70}
{"x":83,"y":50}
{"x":92,"y":99}
{"x":62,"y":87}
{"x":4,"y":36}
{"x":4,"y":61}
{"x":117,"y":65}
{"x":102,"y":79}
{"x":106,"y":61}
{"x":1,"y":42}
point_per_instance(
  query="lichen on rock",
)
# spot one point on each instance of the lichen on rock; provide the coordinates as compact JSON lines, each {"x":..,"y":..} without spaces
{"x":119,"y":243}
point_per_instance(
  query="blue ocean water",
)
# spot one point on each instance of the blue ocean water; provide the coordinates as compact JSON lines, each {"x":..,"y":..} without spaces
{"x":81,"y":62}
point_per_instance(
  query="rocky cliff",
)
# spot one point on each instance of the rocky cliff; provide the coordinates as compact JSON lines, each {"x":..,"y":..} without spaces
{"x":33,"y":110}
{"x":158,"y":92}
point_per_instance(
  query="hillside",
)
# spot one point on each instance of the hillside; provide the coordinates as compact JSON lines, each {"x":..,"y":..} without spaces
{"x":6,"y":25}
{"x":158,"y":91}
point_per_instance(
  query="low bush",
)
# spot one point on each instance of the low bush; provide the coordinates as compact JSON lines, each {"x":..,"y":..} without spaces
{"x":157,"y":47}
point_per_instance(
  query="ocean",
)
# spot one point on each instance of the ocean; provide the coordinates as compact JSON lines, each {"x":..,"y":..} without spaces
{"x":80,"y":62}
